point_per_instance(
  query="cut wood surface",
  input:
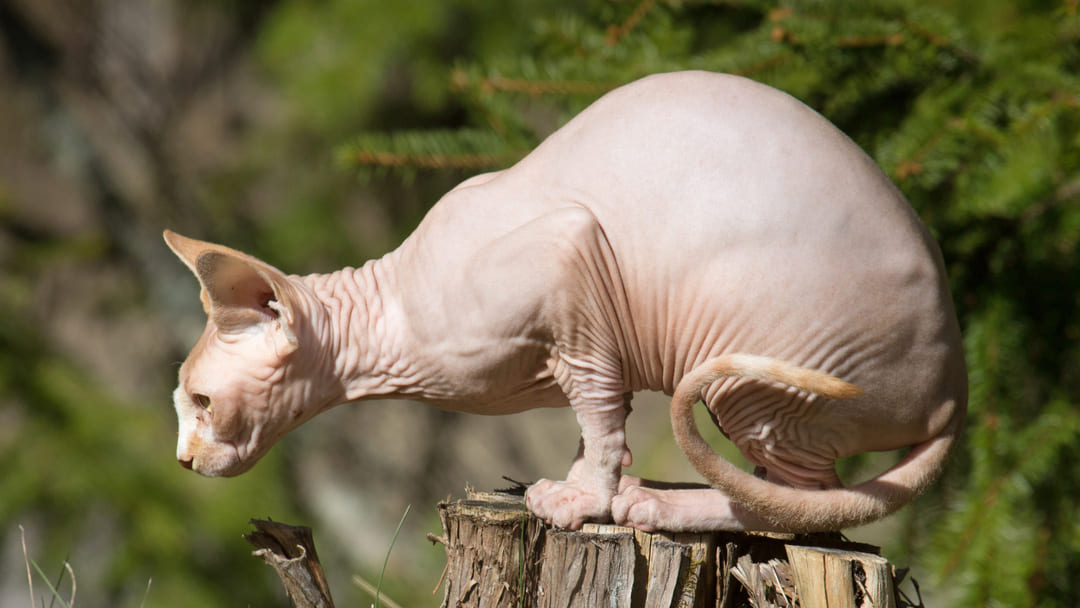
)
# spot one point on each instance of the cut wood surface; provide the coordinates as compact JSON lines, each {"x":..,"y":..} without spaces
{"x":499,"y":555}
{"x":830,"y":578}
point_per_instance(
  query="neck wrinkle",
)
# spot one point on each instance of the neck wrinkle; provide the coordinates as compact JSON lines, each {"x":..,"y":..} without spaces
{"x":359,"y":337}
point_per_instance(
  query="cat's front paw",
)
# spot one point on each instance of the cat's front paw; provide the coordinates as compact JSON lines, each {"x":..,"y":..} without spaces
{"x":568,"y":504}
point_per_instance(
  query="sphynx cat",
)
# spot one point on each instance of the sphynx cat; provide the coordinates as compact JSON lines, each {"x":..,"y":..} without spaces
{"x":692,"y":233}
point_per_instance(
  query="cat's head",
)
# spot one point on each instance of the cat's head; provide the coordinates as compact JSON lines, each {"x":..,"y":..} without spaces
{"x":248,"y":380}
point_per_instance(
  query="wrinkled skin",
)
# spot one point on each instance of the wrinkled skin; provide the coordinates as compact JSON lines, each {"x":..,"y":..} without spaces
{"x":680,"y":219}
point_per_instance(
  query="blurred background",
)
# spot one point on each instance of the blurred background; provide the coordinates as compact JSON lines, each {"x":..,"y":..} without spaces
{"x":315,"y":134}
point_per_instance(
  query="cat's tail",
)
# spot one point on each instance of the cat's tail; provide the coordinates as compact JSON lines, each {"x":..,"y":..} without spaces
{"x":793,"y":509}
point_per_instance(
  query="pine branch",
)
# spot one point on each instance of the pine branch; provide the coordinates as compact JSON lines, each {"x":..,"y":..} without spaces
{"x":615,"y":33}
{"x":465,"y":81}
{"x":407,"y":151}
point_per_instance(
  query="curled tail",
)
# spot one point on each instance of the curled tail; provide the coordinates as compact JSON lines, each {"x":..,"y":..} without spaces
{"x":792,"y":509}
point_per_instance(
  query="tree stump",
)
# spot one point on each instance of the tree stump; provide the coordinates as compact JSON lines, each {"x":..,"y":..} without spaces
{"x":500,"y":556}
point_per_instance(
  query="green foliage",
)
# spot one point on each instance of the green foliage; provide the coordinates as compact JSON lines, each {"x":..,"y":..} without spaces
{"x":974,"y":109}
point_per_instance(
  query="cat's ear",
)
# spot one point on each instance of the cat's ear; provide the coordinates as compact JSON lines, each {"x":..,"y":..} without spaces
{"x":239,"y":291}
{"x":188,"y":251}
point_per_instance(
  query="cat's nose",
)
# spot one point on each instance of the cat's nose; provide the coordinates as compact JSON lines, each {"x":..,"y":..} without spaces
{"x":185,"y":462}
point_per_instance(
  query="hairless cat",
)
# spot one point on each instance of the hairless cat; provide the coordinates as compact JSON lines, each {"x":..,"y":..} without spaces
{"x":692,"y":233}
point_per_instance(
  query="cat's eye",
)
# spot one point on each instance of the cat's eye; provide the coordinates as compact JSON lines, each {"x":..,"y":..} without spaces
{"x":202,"y":400}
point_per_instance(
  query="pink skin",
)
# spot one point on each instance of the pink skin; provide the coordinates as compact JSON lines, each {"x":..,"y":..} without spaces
{"x":678,"y":219}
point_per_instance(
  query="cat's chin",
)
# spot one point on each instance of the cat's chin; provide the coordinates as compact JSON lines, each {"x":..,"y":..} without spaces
{"x":235,"y":468}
